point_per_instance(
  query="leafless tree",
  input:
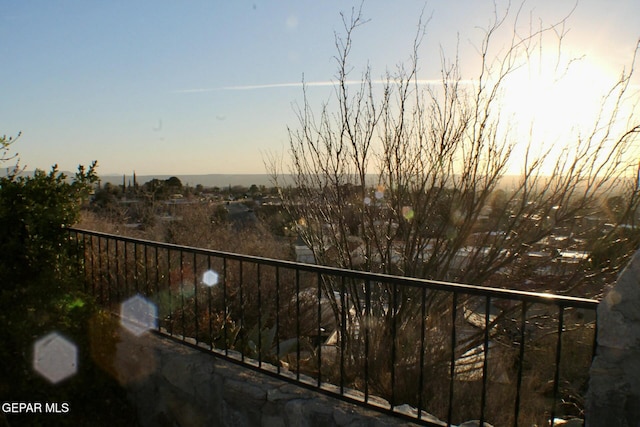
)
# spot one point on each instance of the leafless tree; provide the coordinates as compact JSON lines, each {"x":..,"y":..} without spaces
{"x":410,"y":179}
{"x":403,"y":177}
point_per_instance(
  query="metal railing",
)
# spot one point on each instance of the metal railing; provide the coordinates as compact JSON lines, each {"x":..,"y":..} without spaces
{"x":418,"y":349}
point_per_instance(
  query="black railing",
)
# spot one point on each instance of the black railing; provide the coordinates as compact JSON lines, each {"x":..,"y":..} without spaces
{"x":414,"y":348}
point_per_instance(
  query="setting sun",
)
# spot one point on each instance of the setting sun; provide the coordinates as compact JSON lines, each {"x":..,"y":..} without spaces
{"x":550,"y":107}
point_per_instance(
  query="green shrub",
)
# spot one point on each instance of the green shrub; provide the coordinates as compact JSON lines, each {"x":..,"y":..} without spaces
{"x":41,"y":292}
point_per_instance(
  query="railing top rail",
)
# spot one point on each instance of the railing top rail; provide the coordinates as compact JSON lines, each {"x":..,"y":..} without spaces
{"x":531,"y":297}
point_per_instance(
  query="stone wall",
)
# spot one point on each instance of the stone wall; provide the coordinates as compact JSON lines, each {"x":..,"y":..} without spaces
{"x":176,"y":385}
{"x":614,"y":386}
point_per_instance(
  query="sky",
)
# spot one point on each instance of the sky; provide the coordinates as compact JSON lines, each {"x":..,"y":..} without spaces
{"x":199,"y":87}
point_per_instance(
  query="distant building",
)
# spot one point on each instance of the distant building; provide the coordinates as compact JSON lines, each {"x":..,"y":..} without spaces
{"x":303,"y":252}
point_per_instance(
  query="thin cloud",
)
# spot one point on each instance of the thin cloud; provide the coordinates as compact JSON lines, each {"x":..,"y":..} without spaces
{"x":328,"y":83}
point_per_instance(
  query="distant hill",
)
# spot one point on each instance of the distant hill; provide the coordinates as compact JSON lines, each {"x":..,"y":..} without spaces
{"x":224,"y":180}
{"x":210,"y":180}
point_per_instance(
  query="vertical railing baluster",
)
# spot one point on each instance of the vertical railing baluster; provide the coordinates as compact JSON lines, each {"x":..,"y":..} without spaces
{"x":82,"y":246}
{"x":485,"y":359}
{"x":126,"y":272}
{"x":319,"y":277}
{"x":394,"y":313}
{"x":100,"y":284}
{"x":556,"y":380}
{"x":117,"y":267}
{"x":158,"y":297}
{"x":259,"y":286}
{"x":195,"y":297}
{"x":297,"y":324}
{"x":182,"y":311}
{"x":242,"y":327}
{"x":135,"y":267}
{"x":84,"y":263}
{"x":365,"y":326}
{"x":93,"y":271}
{"x":224,"y":303}
{"x":169,"y":291}
{"x":209,"y":290}
{"x":278,"y":319}
{"x":452,"y":367}
{"x":523,"y":326}
{"x":76,"y":250}
{"x":86,"y":250}
{"x":423,"y":320}
{"x":115,"y":262}
{"x":594,"y":348}
{"x":343,"y":331}
{"x":109,"y":273}
{"x":146,"y":272}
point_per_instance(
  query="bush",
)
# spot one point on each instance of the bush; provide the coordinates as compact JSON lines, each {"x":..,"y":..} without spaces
{"x":34,"y":212}
{"x":40,"y":293}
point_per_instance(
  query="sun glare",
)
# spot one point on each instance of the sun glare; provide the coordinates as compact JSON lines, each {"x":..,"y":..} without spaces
{"x":549,"y":107}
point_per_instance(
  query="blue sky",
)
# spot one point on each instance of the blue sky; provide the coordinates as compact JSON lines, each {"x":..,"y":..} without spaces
{"x":179,"y":87}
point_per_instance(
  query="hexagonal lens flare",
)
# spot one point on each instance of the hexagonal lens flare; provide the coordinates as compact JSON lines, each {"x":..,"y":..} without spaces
{"x":55,"y":357}
{"x":138,"y":315}
{"x":210,"y":278}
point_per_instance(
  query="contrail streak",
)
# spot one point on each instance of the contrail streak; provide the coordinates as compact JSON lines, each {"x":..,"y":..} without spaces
{"x":328,"y":83}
